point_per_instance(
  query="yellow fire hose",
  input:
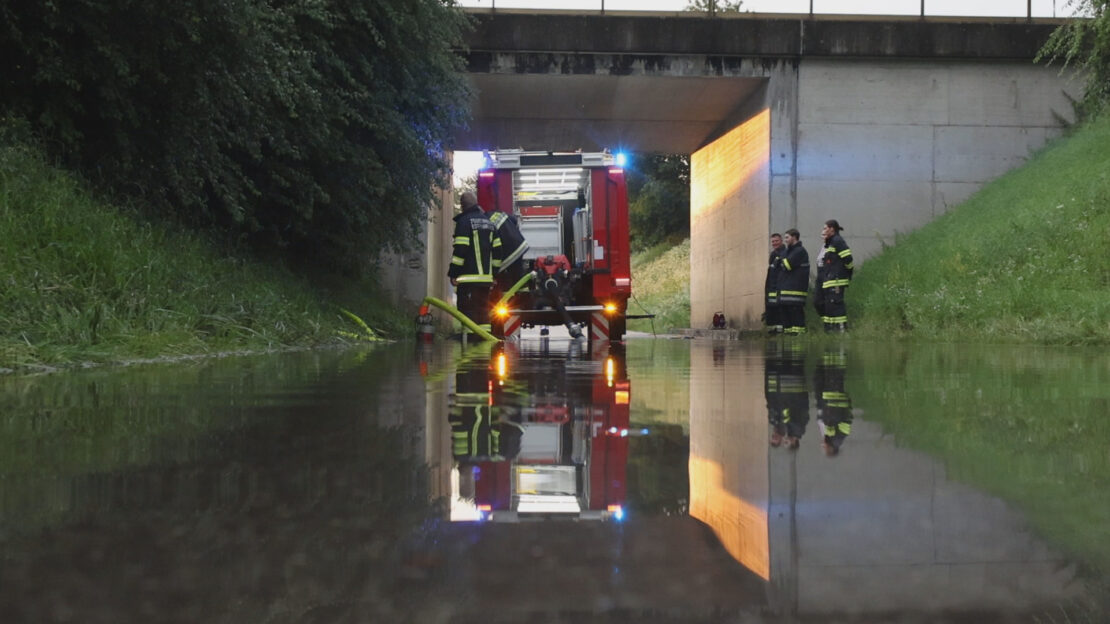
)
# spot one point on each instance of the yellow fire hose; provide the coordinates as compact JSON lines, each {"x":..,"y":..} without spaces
{"x":512,"y":291}
{"x":464,"y":319}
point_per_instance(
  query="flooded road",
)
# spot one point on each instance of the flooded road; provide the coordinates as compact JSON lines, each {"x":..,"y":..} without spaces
{"x":661,"y":481}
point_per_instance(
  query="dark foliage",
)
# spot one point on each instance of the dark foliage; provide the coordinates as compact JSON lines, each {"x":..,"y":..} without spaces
{"x":311,"y":128}
{"x":717,"y":6}
{"x":1084,"y":43}
{"x":659,"y":200}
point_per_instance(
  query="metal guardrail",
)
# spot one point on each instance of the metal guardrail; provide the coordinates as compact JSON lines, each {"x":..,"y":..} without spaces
{"x":1033,"y":8}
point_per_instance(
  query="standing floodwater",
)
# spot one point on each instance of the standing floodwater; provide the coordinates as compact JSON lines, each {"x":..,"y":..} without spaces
{"x":667,"y":480}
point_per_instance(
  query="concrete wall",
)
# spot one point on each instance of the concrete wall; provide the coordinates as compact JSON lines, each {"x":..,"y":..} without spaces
{"x":729,"y":208}
{"x":885,"y":146}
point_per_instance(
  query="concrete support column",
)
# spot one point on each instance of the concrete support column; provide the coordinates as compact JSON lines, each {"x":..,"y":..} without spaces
{"x":729,"y":222}
{"x":438,"y":243}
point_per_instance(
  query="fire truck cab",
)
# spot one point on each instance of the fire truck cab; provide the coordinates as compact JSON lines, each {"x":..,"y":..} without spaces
{"x":572,"y":208}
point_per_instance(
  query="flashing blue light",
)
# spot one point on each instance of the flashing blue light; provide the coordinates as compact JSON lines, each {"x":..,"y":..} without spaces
{"x":621,"y":159}
{"x":643,"y":432}
{"x":619,"y":514}
{"x":624,"y":433}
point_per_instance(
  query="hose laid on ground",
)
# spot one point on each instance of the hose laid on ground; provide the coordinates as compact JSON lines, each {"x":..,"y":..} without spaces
{"x":464,"y":319}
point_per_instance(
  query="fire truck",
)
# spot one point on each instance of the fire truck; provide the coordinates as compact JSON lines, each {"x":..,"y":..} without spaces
{"x":572,"y":208}
{"x":551,"y":442}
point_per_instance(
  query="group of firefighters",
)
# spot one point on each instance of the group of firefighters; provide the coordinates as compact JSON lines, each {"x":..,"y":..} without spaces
{"x":787,"y":391}
{"x":787,"y":282}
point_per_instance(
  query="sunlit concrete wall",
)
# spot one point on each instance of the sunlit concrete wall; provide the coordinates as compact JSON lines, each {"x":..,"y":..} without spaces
{"x":728,"y":454}
{"x":885,"y":146}
{"x":729,"y":209}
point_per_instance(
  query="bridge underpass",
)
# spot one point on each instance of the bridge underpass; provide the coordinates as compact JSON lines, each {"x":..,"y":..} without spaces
{"x":882,"y":123}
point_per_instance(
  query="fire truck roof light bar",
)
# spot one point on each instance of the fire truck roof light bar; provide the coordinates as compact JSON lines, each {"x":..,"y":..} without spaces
{"x":516,"y":159}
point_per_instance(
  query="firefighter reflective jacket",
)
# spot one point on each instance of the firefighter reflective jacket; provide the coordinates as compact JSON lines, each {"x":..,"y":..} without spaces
{"x":513,"y":244}
{"x":836,"y":264}
{"x":771,"y":285}
{"x":476,"y":242}
{"x":794,"y":278}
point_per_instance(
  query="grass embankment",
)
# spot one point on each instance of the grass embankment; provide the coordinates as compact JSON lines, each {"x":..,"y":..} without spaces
{"x":1026,"y":259}
{"x":84,"y":281}
{"x":661,"y":284}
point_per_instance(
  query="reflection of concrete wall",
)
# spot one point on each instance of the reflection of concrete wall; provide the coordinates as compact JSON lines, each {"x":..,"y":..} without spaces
{"x":728,"y":455}
{"x":881,"y":529}
{"x":729,"y":211}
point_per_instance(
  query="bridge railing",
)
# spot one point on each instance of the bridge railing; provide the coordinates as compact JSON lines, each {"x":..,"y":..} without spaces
{"x":1028,"y":9}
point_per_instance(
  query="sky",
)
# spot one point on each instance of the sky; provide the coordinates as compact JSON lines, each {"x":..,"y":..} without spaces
{"x":993,"y":8}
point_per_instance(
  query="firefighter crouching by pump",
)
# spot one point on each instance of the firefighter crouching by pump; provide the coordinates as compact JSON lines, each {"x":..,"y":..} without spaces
{"x":793,"y":284}
{"x":471,"y":269}
{"x":834,"y":273}
{"x":508,"y":259}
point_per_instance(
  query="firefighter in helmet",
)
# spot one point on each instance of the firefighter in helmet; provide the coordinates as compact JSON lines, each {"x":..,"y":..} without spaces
{"x":834,"y":273}
{"x":471,"y":269}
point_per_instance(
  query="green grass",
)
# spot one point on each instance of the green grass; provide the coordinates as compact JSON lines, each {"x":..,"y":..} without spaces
{"x":1026,"y":259}
{"x":661,"y":284}
{"x":85,"y":281}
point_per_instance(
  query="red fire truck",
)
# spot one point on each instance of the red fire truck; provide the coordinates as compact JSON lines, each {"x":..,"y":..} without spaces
{"x":572,"y":208}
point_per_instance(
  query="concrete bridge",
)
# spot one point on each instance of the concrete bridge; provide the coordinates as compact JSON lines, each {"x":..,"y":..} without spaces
{"x":880,"y":122}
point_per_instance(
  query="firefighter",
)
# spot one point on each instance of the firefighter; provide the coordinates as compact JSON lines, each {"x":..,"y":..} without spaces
{"x":786,"y":392}
{"x":834,"y":407}
{"x":793,"y":284}
{"x":508,"y":261}
{"x":772,"y":314}
{"x":834,"y":272}
{"x":471,"y":269}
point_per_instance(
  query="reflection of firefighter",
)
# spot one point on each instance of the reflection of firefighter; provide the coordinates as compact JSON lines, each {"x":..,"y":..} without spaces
{"x":787,"y":395}
{"x":834,"y":408}
{"x":476,"y":433}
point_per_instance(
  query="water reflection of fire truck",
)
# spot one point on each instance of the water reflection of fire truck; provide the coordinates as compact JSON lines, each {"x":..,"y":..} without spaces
{"x":552,"y":441}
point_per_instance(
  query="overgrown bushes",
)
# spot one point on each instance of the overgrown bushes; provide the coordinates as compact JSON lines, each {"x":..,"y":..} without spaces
{"x":311,"y":129}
